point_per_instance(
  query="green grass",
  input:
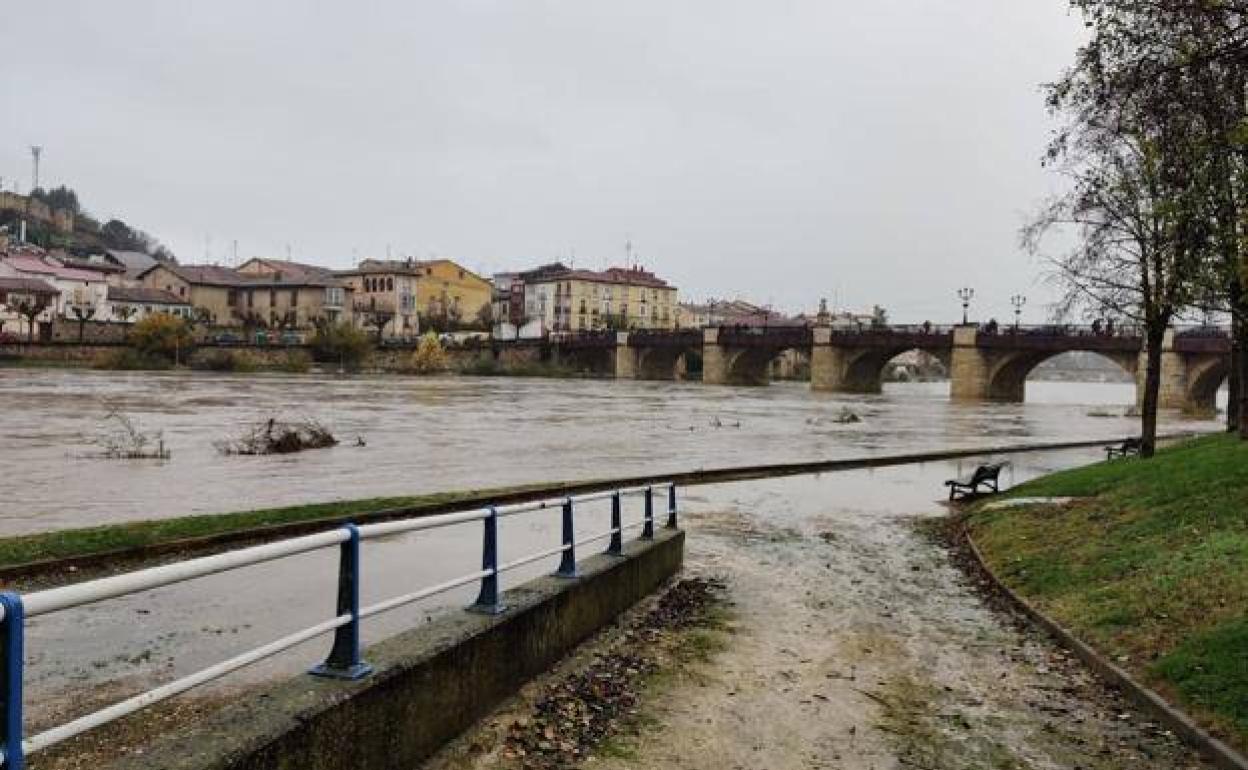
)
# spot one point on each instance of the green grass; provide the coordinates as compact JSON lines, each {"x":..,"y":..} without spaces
{"x":113,"y":537}
{"x":1151,"y":567}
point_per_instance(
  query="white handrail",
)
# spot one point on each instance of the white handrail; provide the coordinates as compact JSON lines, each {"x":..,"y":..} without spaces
{"x":142,"y":700}
{"x":54,"y":599}
{"x":382,"y":529}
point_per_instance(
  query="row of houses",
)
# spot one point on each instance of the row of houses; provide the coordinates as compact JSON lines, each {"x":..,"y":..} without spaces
{"x":394,"y":298}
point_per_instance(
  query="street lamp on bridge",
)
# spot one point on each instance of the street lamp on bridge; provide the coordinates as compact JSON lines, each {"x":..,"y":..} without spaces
{"x":965,"y":295}
{"x":1018,"y":300}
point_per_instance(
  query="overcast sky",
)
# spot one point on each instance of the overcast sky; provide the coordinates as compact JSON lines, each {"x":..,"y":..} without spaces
{"x":869,"y":152}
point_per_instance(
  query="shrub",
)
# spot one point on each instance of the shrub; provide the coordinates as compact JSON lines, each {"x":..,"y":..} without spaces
{"x":227,"y":361}
{"x":429,"y":357}
{"x":341,"y":344}
{"x":161,"y":335}
{"x":295,"y":362}
{"x":129,"y":359}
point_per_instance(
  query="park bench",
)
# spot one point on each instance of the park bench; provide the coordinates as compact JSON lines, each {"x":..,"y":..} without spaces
{"x":984,"y":476}
{"x":1127,"y":448}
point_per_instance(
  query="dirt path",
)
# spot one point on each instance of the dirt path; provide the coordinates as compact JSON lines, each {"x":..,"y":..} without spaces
{"x":856,"y":644}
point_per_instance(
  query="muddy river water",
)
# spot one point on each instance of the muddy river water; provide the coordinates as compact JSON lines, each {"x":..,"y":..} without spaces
{"x":439,"y":434}
{"x":424,"y":435}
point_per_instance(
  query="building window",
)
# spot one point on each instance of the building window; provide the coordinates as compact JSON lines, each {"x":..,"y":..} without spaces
{"x":294,"y":298}
{"x":389,"y":284}
{"x":272,"y":298}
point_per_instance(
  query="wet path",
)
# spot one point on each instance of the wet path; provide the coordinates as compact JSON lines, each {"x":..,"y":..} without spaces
{"x":858,"y":646}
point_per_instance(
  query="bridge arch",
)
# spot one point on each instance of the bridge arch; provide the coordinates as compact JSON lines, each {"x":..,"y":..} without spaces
{"x":1205,"y":377}
{"x":1007,"y":375}
{"x":864,"y":369}
{"x":665,"y":363}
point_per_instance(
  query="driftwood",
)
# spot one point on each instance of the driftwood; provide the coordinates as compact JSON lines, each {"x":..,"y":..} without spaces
{"x":274,"y":437}
{"x":121,"y":439}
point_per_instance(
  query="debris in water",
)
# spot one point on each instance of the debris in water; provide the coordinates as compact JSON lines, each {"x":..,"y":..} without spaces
{"x":273,"y":437}
{"x":121,"y":439}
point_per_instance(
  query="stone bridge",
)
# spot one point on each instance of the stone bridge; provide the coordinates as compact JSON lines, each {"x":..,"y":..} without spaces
{"x":983,"y":365}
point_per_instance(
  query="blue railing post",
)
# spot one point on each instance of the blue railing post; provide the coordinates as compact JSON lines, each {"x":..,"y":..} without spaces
{"x":12,"y":647}
{"x":487,"y":600}
{"x":616,"y":548}
{"x":671,"y":507}
{"x":647,"y":527}
{"x":567,"y":561}
{"x":344,"y":658}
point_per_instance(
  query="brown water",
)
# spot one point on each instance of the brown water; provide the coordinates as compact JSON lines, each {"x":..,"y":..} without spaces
{"x":425,"y":435}
{"x":439,"y":434}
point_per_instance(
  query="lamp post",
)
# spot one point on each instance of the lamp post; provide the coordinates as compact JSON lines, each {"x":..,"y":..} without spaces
{"x":1018,"y":300}
{"x":965,"y":295}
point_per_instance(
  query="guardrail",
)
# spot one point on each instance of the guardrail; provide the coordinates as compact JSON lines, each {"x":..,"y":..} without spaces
{"x":344,"y":660}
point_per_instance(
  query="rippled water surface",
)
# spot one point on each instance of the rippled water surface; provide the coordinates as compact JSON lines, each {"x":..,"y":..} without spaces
{"x":425,"y":435}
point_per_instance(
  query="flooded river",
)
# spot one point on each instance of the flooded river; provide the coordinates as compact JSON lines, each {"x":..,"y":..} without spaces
{"x":437,"y":434}
{"x":423,"y":435}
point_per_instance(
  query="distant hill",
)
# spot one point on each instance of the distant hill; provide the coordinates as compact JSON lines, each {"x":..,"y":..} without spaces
{"x":56,"y":219}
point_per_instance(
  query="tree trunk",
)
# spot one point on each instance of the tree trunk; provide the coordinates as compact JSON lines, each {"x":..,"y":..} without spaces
{"x":1154,"y":337}
{"x":1234,"y":382}
{"x":1239,"y":375}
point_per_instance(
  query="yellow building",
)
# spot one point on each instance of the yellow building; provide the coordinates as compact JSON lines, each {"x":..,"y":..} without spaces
{"x":587,"y":300}
{"x":437,"y":294}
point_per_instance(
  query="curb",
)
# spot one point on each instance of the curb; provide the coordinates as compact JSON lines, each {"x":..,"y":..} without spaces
{"x":1222,"y":755}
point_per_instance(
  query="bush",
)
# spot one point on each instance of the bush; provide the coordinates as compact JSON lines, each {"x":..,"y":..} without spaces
{"x":227,"y":361}
{"x":429,"y":357}
{"x":128,"y":359}
{"x":161,"y":335}
{"x":295,"y":362}
{"x":341,"y":344}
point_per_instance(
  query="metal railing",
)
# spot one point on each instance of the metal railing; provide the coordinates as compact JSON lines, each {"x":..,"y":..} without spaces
{"x":344,"y":660}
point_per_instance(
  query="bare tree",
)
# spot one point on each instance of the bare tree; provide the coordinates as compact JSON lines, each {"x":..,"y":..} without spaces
{"x":83,"y":313}
{"x":29,"y":306}
{"x":1135,"y":252}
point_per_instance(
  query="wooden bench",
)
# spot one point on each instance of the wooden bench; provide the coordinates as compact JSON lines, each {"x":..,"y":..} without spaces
{"x":984,"y":476}
{"x":1127,"y":448}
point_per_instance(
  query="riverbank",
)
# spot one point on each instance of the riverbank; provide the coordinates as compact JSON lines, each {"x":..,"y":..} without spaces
{"x":1148,"y":563}
{"x":127,"y":544}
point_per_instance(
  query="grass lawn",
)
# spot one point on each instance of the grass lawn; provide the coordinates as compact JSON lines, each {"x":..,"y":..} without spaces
{"x":1151,"y":568}
{"x":93,"y":540}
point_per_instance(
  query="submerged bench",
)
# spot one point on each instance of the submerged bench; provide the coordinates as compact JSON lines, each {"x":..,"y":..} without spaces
{"x":1127,"y":448}
{"x":984,"y":476}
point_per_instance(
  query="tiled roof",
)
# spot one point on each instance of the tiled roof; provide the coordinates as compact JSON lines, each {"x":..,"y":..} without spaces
{"x":142,"y":295}
{"x":215,"y":275}
{"x":135,"y":262}
{"x":616,"y":275}
{"x":29,"y":285}
{"x":29,"y":264}
{"x":293,"y":272}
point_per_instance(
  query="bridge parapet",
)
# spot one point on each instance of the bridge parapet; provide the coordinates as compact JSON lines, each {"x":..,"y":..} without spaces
{"x":891,"y":337}
{"x":1059,"y":339}
{"x":1203,"y":339}
{"x":665,"y":338}
{"x":765,"y":337}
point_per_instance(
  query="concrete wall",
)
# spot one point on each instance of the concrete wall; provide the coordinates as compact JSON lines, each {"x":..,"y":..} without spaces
{"x":430,"y":684}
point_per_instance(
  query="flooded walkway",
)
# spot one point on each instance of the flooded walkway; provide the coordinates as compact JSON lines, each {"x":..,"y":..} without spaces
{"x":854,"y":643}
